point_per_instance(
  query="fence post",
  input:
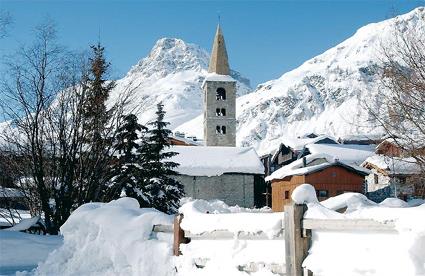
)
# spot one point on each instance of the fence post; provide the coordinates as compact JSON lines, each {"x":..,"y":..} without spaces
{"x":179,"y":237}
{"x":296,"y":244}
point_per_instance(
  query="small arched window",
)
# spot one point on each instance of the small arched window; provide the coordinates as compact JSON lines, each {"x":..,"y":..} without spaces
{"x":220,"y":94}
{"x":223,"y":130}
{"x":223,"y":112}
{"x":218,"y":130}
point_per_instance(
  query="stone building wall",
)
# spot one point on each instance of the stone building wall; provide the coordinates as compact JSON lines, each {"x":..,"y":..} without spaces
{"x":233,"y":189}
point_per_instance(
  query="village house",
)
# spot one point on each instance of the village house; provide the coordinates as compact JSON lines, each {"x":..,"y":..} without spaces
{"x":393,"y":176}
{"x":290,"y":150}
{"x":329,"y":176}
{"x":394,"y":173}
{"x":231,"y":174}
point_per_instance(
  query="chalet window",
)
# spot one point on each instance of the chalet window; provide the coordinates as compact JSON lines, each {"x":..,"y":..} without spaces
{"x":220,"y":112}
{"x":333,"y":174}
{"x":223,"y":130}
{"x":286,"y":194}
{"x":376,"y":178}
{"x":220,"y":94}
{"x":322,"y":193}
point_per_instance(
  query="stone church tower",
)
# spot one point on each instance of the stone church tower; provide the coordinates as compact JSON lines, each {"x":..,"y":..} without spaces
{"x":219,"y":98}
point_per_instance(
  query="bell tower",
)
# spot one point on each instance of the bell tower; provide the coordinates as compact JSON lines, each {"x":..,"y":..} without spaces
{"x":219,"y":98}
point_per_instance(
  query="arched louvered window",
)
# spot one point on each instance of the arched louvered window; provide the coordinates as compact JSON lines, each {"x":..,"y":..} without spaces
{"x":220,"y":94}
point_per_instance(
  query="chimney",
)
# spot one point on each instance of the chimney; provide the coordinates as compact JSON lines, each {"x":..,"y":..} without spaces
{"x":304,"y":162}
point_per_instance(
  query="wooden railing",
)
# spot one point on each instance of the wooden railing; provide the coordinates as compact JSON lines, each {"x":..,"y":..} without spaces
{"x":296,"y":231}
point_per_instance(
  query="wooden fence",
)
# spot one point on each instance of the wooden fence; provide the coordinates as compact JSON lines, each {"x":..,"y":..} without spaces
{"x":296,"y":231}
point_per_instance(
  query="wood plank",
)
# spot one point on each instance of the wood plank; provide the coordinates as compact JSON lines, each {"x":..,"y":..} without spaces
{"x":227,"y":235}
{"x":163,"y":228}
{"x":348,"y":225}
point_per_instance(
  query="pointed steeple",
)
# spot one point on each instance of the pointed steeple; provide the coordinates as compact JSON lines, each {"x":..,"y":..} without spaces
{"x":219,"y":63}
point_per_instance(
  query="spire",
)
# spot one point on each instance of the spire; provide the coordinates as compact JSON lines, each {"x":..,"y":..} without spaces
{"x":219,"y":62}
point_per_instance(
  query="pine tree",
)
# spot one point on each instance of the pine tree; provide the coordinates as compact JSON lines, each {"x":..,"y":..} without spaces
{"x":95,"y":157}
{"x":128,"y":174}
{"x":97,"y":94}
{"x":164,"y":190}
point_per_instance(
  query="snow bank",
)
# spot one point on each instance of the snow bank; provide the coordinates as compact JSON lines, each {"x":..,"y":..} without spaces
{"x":351,"y":201}
{"x":112,"y":239}
{"x":222,"y":257}
{"x":401,"y":252}
{"x":206,"y":216}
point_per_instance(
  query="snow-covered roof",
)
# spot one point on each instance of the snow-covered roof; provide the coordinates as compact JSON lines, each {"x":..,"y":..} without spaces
{"x":393,"y":165}
{"x":214,"y":161}
{"x":10,"y":192}
{"x":314,"y":162}
{"x":217,"y":77}
{"x":187,"y":140}
{"x":354,"y":154}
{"x":300,"y":143}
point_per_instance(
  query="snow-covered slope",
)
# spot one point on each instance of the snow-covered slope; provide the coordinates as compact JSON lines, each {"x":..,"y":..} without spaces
{"x":173,"y":73}
{"x":326,"y":94}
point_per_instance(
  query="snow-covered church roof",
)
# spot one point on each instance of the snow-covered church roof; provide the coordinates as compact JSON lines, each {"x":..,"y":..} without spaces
{"x":214,"y":161}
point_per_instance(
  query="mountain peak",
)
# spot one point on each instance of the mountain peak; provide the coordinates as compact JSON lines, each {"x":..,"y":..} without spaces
{"x":170,"y":55}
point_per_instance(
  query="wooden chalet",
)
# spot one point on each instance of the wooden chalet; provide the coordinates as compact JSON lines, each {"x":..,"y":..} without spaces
{"x":393,"y":148}
{"x":328,"y":176}
{"x":292,"y":149}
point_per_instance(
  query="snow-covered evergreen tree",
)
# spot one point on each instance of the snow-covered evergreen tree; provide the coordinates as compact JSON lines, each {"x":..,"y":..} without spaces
{"x":128,"y":173}
{"x":165,"y":191}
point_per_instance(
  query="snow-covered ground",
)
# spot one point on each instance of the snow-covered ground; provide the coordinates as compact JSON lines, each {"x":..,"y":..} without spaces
{"x":116,"y":239}
{"x":401,"y":252}
{"x":22,"y":252}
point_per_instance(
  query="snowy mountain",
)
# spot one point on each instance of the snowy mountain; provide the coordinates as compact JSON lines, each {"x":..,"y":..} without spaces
{"x":327,"y":94}
{"x":172,"y":73}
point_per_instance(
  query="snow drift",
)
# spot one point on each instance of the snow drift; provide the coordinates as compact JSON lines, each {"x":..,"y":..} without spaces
{"x":112,"y":239}
{"x":359,"y":253}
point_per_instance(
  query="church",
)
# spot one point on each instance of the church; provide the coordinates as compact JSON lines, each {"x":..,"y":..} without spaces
{"x":218,"y":169}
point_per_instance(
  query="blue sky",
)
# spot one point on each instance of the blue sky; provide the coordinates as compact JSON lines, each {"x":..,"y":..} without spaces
{"x":264,"y":38}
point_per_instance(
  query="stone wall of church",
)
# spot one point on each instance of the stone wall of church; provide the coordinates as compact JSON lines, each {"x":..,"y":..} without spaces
{"x":211,"y":120}
{"x":233,"y":189}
